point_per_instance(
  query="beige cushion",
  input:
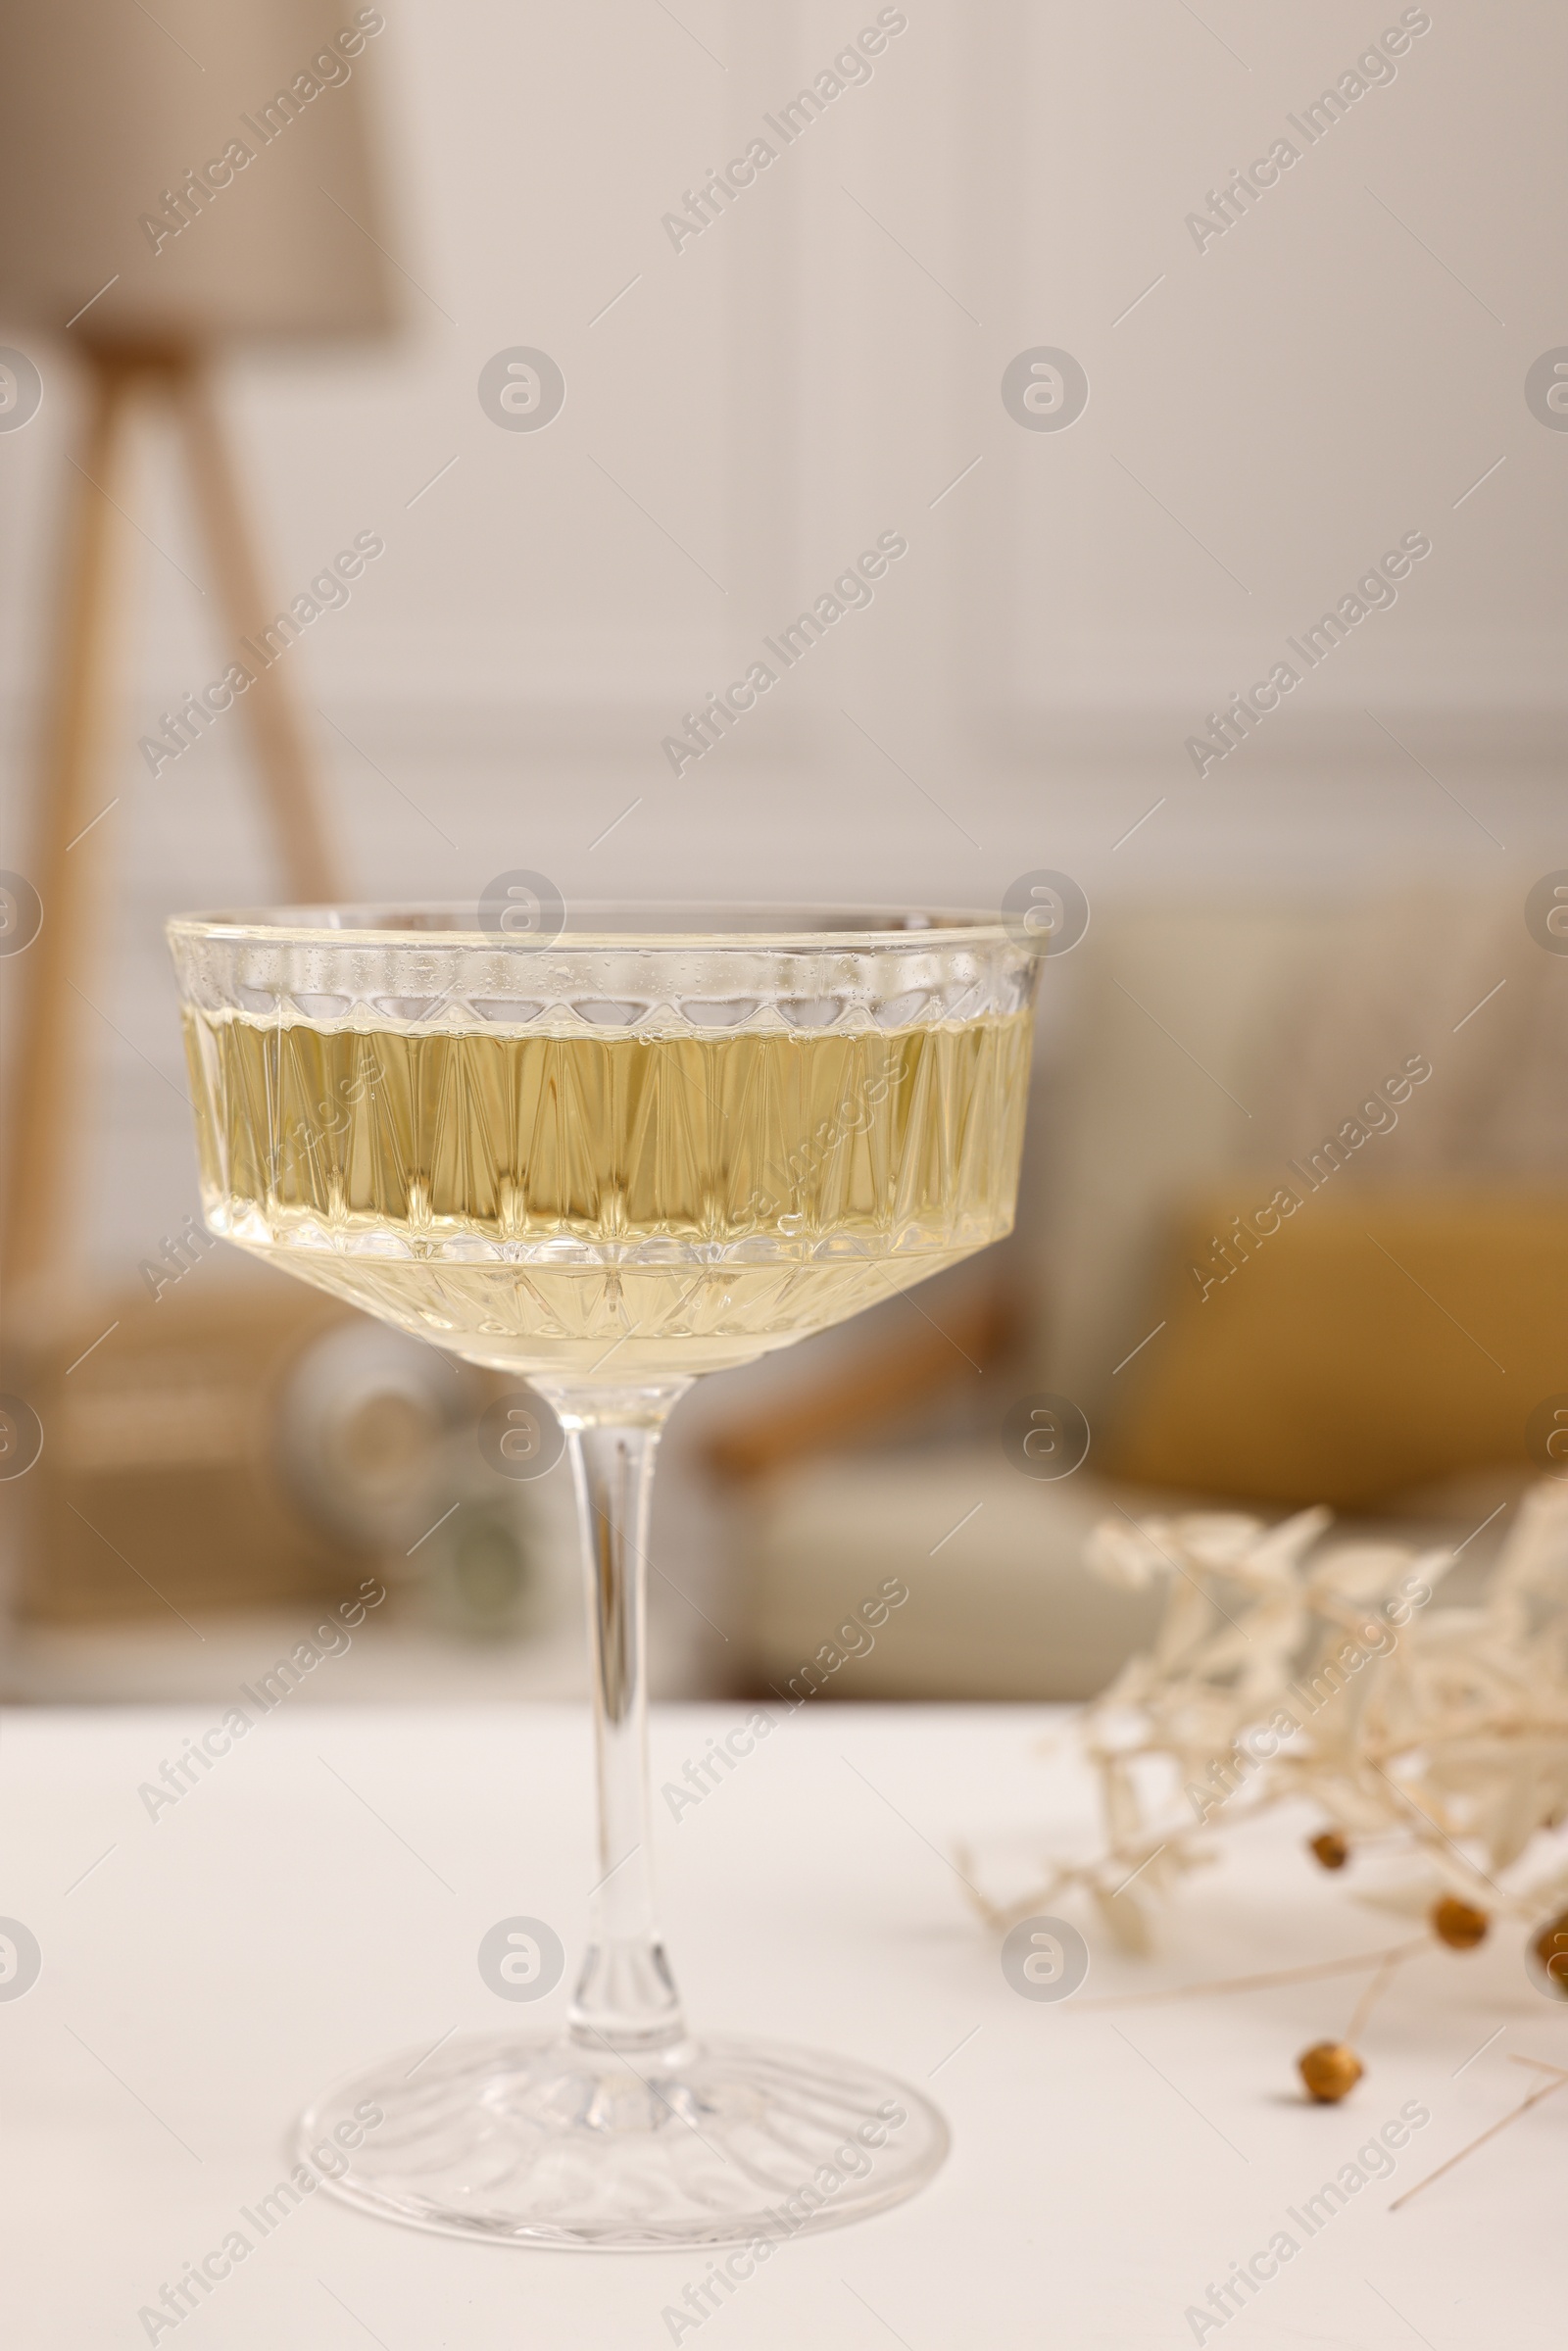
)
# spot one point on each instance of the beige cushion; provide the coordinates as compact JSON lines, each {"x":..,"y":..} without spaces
{"x":1378,"y":1339}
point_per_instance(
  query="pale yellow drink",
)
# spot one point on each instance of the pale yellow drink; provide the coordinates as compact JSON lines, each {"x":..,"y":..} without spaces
{"x":647,"y":1206}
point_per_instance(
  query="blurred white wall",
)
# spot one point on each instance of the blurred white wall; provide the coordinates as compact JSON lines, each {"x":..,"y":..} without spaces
{"x":821,"y":365}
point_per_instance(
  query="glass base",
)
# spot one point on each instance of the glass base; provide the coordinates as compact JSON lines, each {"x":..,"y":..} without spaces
{"x":527,"y":2142}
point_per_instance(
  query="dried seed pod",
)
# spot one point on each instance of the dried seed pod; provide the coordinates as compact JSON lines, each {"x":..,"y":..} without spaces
{"x":1331,"y":2070}
{"x":1546,"y":1957}
{"x":1331,"y":1849}
{"x":1458,"y":1924}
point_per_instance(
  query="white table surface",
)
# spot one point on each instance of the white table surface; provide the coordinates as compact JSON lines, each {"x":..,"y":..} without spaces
{"x":270,"y":1933}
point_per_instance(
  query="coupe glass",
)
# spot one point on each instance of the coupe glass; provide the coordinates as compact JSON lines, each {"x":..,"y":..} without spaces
{"x":606,"y":1155}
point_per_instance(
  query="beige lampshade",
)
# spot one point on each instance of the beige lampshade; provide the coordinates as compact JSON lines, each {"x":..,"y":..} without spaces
{"x":212,"y":160}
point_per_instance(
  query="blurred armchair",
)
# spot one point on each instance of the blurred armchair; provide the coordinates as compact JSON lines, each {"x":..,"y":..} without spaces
{"x":1378,"y":1337}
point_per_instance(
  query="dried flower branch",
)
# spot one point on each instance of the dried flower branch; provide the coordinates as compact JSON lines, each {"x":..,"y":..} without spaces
{"x":1286,"y":1667}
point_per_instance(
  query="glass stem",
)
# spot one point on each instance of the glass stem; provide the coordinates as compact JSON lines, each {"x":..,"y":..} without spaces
{"x":625,"y":2000}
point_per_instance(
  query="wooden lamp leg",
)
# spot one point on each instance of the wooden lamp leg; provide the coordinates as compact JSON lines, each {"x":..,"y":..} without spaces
{"x":281,"y":749}
{"x":50,"y":1081}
